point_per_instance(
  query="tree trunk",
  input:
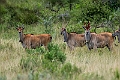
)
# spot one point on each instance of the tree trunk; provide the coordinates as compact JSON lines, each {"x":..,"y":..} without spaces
{"x":70,"y":5}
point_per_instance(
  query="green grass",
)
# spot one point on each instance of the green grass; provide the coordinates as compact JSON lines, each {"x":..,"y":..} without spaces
{"x":25,"y":4}
{"x":85,"y":65}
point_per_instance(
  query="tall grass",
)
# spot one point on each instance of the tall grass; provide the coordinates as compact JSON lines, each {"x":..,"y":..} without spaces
{"x":80,"y":64}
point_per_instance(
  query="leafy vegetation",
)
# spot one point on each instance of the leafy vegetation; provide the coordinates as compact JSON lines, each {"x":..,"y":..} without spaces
{"x":57,"y":62}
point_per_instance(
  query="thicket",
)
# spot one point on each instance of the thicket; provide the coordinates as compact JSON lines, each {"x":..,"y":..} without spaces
{"x":51,"y":60}
{"x":48,"y":12}
{"x":45,"y":64}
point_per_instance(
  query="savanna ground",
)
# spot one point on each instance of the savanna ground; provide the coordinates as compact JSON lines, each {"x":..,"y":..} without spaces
{"x":80,"y":64}
{"x":57,"y":63}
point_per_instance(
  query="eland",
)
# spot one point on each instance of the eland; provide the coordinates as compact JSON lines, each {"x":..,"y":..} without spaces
{"x":33,"y":41}
{"x":73,"y":39}
{"x":94,"y":41}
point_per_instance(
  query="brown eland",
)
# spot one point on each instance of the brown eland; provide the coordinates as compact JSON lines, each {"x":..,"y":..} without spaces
{"x":73,"y":39}
{"x":94,"y":41}
{"x":33,"y":41}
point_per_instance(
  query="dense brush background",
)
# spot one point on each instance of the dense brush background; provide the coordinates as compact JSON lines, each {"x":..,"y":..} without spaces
{"x":57,"y":63}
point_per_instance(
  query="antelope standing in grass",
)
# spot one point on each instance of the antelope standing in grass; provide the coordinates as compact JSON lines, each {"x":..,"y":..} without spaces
{"x":33,"y":41}
{"x":100,"y":40}
{"x":73,"y":39}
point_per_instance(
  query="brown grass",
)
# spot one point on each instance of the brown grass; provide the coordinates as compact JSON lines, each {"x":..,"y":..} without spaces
{"x":101,"y":62}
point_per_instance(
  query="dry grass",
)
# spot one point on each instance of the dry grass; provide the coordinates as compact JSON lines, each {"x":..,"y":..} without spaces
{"x":103,"y":65}
{"x":11,"y":52}
{"x":101,"y":62}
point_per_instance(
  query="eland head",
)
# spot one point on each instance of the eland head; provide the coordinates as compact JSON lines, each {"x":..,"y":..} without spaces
{"x":87,"y":32}
{"x":117,"y":33}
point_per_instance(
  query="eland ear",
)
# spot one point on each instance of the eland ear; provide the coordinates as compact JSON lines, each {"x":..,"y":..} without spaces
{"x":84,"y":27}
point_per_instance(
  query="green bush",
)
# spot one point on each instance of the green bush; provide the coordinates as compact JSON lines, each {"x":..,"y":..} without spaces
{"x":68,"y":70}
{"x":48,"y":23}
{"x":54,"y":53}
{"x":75,"y":28}
{"x":50,"y":66}
{"x":39,"y":50}
{"x":23,"y":16}
{"x":50,"y":58}
{"x":90,"y":10}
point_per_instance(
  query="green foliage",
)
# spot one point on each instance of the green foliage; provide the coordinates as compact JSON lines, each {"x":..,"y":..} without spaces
{"x":49,"y":58}
{"x":90,"y":11}
{"x":3,"y":77}
{"x":68,"y":70}
{"x":117,"y":74}
{"x":39,"y":50}
{"x":63,"y":47}
{"x":114,"y":4}
{"x":75,"y":28}
{"x":30,"y":62}
{"x":107,"y":30}
{"x":60,"y":3}
{"x":48,"y":23}
{"x":23,"y":12}
{"x":114,"y":18}
{"x":17,"y":14}
{"x":3,"y":10}
{"x":23,"y":16}
{"x":51,"y":66}
{"x":55,"y":54}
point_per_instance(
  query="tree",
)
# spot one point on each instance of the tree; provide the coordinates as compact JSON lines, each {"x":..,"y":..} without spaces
{"x":2,"y":1}
{"x":60,"y":4}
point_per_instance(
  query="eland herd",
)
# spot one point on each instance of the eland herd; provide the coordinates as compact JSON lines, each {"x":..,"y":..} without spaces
{"x":91,"y":40}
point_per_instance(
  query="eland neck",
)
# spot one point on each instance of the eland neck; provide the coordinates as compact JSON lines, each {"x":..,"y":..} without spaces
{"x":21,"y":35}
{"x":87,"y":36}
{"x":65,"y":34}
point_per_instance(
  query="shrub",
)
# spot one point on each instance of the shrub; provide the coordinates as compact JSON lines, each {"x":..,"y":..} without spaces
{"x":68,"y":70}
{"x":93,"y":11}
{"x":75,"y":28}
{"x":39,"y":50}
{"x":47,"y":21}
{"x":54,"y":53}
{"x":50,"y":58}
{"x":51,"y":66}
